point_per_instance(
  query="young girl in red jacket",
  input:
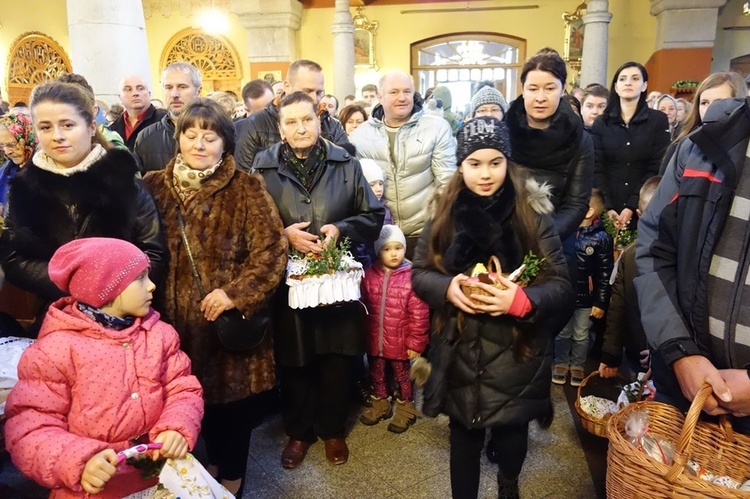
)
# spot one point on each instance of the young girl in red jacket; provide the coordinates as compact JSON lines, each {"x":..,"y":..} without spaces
{"x":397,"y":327}
{"x":105,"y":374}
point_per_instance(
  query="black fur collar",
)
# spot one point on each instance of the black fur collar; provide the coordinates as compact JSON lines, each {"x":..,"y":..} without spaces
{"x":482,"y":229}
{"x":48,"y":210}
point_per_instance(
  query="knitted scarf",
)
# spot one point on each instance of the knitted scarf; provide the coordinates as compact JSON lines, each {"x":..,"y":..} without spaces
{"x":482,"y":229}
{"x":104,"y":319}
{"x":304,"y":169}
{"x":43,"y":161}
{"x":544,"y":149}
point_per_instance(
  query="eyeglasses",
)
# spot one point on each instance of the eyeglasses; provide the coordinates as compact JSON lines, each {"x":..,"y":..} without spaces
{"x":10,"y":145}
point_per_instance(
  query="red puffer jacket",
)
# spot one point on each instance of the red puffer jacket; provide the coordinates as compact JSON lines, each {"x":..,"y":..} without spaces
{"x":83,"y":388}
{"x":397,"y":319}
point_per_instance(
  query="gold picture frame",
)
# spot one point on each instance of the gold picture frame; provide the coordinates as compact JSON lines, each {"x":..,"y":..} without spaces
{"x":574,"y":33}
{"x":364,"y":41}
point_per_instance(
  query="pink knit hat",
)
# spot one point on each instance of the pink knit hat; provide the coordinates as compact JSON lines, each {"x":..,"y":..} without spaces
{"x":96,"y":270}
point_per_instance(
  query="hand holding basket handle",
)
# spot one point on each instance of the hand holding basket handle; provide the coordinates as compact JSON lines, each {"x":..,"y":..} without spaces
{"x":682,"y":455}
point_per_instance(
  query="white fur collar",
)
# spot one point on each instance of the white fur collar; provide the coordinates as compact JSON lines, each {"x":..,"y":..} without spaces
{"x":539,"y":196}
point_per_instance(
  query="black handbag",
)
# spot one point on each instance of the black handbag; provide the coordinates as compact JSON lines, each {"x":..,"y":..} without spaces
{"x":235,"y":331}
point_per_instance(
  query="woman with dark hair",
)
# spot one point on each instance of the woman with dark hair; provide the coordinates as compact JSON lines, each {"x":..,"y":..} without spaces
{"x":548,"y":138}
{"x":322,"y":197}
{"x":239,"y":248}
{"x":75,"y":186}
{"x":351,"y":117}
{"x":629,"y":140}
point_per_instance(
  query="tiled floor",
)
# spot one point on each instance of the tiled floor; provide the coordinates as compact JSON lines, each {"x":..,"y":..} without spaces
{"x":415,"y":464}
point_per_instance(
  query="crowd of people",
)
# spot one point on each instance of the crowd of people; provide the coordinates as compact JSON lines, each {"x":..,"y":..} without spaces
{"x":138,"y":230}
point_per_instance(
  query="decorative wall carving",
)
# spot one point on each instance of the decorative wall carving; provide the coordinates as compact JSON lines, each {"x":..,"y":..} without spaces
{"x":34,"y":58}
{"x":213,"y":55}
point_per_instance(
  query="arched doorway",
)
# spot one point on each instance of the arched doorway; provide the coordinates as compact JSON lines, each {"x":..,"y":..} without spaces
{"x":461,"y":60}
{"x":34,"y":58}
{"x":213,"y":55}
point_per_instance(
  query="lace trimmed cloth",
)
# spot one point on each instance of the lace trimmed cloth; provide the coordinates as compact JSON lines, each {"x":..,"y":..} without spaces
{"x":309,"y":291}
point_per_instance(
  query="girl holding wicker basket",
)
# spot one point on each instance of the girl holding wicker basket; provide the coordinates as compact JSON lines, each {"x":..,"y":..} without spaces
{"x":491,"y":349}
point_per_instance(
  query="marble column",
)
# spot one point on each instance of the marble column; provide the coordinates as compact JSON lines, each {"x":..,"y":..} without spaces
{"x":595,"y":42}
{"x":343,"y":50}
{"x":271,"y":27}
{"x":107,"y":42}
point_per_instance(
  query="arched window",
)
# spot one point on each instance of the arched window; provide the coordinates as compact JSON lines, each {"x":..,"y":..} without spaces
{"x":460,"y":61}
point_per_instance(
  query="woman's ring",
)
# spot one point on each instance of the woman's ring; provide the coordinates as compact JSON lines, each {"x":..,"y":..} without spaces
{"x":215,"y":305}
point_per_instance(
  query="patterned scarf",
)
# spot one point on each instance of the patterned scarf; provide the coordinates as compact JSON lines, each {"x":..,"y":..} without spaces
{"x":104,"y":319}
{"x":19,"y":125}
{"x":305,"y":169}
{"x":187,"y":181}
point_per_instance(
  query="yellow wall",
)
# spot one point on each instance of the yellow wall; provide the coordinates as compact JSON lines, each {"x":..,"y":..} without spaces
{"x":632,"y":31}
{"x":21,"y":17}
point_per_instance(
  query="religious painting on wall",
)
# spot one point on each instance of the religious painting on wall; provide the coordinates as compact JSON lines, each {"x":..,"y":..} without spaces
{"x":574,"y":32}
{"x":270,"y":76}
{"x":364,"y":41}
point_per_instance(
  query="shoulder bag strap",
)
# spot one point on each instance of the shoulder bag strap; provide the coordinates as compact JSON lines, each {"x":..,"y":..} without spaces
{"x":196,"y":276}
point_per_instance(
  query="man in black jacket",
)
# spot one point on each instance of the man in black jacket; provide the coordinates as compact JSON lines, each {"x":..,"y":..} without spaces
{"x":155,"y":146}
{"x":261,"y":130}
{"x":692,"y":257}
{"x":135,"y":97}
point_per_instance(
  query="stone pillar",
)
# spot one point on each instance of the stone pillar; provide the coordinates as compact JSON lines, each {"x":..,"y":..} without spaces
{"x":272,"y":27}
{"x":595,"y":42}
{"x":684,"y":41}
{"x":107,"y":42}
{"x":343,"y":50}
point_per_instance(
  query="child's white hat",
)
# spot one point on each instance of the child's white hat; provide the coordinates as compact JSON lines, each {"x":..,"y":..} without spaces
{"x":371,"y":170}
{"x":389,"y":234}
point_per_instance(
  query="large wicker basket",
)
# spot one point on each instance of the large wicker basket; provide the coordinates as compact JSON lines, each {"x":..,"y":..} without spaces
{"x":632,"y":474}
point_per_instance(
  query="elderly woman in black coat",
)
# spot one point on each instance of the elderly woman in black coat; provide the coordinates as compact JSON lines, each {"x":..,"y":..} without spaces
{"x":320,"y":191}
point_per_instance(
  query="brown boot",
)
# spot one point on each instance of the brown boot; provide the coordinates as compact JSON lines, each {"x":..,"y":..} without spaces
{"x":379,"y":409}
{"x":406,"y":415}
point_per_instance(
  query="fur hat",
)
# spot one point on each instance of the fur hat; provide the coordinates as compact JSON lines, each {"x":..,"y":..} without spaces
{"x":488,"y":95}
{"x":484,"y":132}
{"x":389,"y":234}
{"x":96,"y":270}
{"x":371,"y":170}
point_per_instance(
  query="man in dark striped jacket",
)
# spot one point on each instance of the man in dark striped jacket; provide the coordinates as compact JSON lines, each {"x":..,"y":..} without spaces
{"x":692,"y":257}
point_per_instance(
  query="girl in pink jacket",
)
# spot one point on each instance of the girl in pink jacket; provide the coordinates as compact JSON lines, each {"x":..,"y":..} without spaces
{"x":105,"y":374}
{"x":397,"y":328}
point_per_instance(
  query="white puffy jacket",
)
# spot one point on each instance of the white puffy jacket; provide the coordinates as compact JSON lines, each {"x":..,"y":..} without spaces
{"x":425,"y":159}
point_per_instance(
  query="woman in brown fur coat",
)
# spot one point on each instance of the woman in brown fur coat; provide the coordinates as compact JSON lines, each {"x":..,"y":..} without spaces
{"x":238,"y":243}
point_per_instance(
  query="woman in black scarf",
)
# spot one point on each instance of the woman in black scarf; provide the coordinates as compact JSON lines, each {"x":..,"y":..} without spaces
{"x":548,"y":138}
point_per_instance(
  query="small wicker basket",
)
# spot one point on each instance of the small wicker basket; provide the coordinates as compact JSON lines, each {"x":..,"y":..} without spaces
{"x":630,"y":472}
{"x":472,"y":289}
{"x":598,"y":426}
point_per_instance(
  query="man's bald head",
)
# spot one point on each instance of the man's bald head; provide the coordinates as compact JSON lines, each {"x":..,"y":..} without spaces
{"x":134,"y":94}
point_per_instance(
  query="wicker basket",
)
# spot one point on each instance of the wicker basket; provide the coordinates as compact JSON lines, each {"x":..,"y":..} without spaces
{"x":630,"y":472}
{"x":472,"y":289}
{"x":598,"y":426}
